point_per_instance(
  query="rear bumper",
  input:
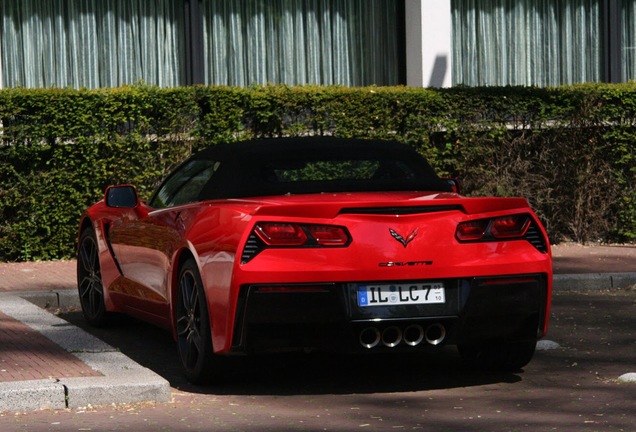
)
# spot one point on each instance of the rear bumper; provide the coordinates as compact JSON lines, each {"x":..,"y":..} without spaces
{"x":327,"y":317}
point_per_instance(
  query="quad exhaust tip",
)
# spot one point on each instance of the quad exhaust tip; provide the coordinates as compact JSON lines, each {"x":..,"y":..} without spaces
{"x":435,"y":334}
{"x":370,"y":337}
{"x":391,"y":336}
{"x":412,"y":335}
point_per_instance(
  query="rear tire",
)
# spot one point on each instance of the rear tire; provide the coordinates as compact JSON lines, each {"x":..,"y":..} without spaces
{"x":89,"y":280}
{"x":500,"y":356}
{"x":194,"y":338}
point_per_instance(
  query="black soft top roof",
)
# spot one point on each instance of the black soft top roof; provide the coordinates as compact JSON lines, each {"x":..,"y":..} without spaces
{"x":321,"y":147}
{"x":243,"y":166}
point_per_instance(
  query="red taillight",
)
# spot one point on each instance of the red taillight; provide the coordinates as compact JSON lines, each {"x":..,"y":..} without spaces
{"x":327,"y":235}
{"x":473,"y":230}
{"x":291,"y":234}
{"x":281,"y":234}
{"x":505,"y":227}
{"x":510,"y":226}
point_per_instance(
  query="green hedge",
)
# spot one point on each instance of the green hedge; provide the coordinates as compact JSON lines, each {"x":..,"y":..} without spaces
{"x":569,"y":150}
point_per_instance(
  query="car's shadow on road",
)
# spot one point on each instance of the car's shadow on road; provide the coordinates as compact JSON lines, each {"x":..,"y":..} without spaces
{"x":291,"y":374}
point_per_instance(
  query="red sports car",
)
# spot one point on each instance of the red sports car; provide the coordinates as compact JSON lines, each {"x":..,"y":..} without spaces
{"x":318,"y":244}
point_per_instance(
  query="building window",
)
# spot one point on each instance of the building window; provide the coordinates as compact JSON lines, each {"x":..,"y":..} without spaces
{"x":345,"y":42}
{"x":92,"y":43}
{"x":527,"y":42}
{"x":107,"y":43}
{"x":628,"y":40}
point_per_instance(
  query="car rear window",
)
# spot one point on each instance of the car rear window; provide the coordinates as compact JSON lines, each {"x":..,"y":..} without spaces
{"x":337,"y":170}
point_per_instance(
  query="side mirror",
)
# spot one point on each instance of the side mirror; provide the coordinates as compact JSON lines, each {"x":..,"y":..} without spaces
{"x":455,"y":184}
{"x":121,"y":196}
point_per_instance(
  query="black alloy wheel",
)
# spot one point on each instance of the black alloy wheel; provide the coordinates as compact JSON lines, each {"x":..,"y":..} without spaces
{"x":194,"y":339}
{"x":89,"y":280}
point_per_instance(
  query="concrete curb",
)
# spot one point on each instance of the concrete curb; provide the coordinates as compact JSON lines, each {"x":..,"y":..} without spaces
{"x":123,"y":380}
{"x":593,"y":281}
{"x":60,"y":299}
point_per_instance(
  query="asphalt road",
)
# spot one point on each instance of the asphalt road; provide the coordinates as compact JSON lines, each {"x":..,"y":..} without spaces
{"x":570,"y":388}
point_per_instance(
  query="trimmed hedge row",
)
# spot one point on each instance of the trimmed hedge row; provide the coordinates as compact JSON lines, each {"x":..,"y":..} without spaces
{"x":569,"y":150}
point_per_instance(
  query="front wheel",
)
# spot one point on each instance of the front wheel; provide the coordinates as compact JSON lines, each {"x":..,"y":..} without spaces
{"x":89,"y":280}
{"x":194,"y":339}
{"x":499,"y":356}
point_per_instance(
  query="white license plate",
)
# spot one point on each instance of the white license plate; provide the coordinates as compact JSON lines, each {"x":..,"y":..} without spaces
{"x":401,"y":294}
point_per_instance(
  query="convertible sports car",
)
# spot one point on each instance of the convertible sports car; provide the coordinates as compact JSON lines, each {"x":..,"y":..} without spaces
{"x":318,"y":244}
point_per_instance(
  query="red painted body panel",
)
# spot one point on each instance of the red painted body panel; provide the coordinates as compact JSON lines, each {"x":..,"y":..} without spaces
{"x":148,"y":244}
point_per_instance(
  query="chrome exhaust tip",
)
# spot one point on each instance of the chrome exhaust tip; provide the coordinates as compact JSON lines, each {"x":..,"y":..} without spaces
{"x":435,"y":334}
{"x":413,"y":335}
{"x":391,"y":336}
{"x":369,"y":337}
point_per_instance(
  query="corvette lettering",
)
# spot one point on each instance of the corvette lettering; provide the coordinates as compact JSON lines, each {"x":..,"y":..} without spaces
{"x":405,"y":263}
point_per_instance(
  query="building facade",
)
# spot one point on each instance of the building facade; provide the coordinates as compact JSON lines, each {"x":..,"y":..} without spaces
{"x":437,"y":43}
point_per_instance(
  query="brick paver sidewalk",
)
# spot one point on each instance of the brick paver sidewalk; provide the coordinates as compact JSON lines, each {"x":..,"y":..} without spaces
{"x":37,"y":276}
{"x":27,"y":355}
